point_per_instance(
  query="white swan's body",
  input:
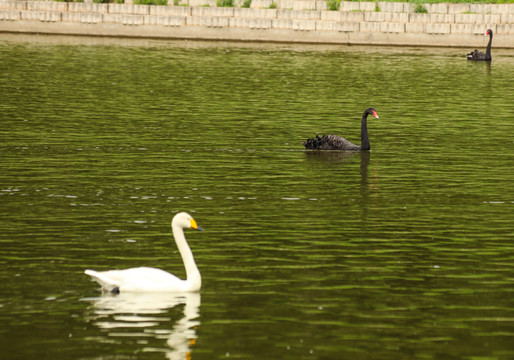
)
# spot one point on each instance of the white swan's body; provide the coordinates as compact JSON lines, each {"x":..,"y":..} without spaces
{"x":146,"y":279}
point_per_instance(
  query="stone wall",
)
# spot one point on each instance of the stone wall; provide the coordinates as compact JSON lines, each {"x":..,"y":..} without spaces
{"x":385,"y":23}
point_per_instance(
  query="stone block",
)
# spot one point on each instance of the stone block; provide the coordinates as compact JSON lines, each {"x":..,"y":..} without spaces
{"x":507,"y":18}
{"x":45,"y":16}
{"x":111,"y":18}
{"x":416,"y":28}
{"x":441,"y":18}
{"x":10,"y":15}
{"x":261,"y":4}
{"x":505,"y":29}
{"x":298,"y":14}
{"x":282,"y":24}
{"x":159,"y":20}
{"x":374,"y":16}
{"x":47,"y":6}
{"x":409,"y":8}
{"x":331,"y":15}
{"x":85,"y":18}
{"x":349,"y":26}
{"x":370,"y":27}
{"x":478,"y":18}
{"x":285,"y":4}
{"x":304,"y":5}
{"x":480,"y":8}
{"x":214,"y":22}
{"x":352,"y":16}
{"x":396,"y":17}
{"x":88,"y":8}
{"x":250,"y":23}
{"x":327,"y":25}
{"x":465,"y":18}
{"x":392,"y":27}
{"x":209,"y":3}
{"x":13,"y":5}
{"x":91,"y":18}
{"x":480,"y":29}
{"x":208,"y":11}
{"x":437,"y":8}
{"x":129,"y":9}
{"x":419,"y":18}
{"x":260,"y":24}
{"x":349,"y":6}
{"x":392,"y":7}
{"x":502,"y":8}
{"x":132,"y":19}
{"x":171,"y":10}
{"x":489,"y":19}
{"x":322,"y":6}
{"x":438,"y":28}
{"x":458,"y":8}
{"x":460,"y":28}
{"x":238,"y":23}
{"x":366,"y":6}
{"x":304,"y":25}
{"x":255,"y":13}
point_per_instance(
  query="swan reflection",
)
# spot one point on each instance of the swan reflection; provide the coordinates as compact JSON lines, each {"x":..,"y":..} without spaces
{"x":151,"y":315}
{"x":331,"y":156}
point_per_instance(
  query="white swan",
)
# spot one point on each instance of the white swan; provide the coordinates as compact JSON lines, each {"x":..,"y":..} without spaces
{"x":145,"y":279}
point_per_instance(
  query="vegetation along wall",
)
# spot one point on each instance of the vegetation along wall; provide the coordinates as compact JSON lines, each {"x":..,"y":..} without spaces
{"x":305,"y":21}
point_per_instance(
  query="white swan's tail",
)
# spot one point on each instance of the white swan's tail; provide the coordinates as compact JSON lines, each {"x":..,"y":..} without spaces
{"x":105,"y":282}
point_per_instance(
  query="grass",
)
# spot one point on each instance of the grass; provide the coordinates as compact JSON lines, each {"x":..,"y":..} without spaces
{"x":334,"y":5}
{"x":454,"y":1}
{"x":151,"y":2}
{"x":447,"y":1}
{"x":420,"y":9}
{"x":225,"y":3}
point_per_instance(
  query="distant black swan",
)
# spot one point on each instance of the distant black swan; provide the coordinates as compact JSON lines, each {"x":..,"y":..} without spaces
{"x":480,"y":56}
{"x":334,"y":142}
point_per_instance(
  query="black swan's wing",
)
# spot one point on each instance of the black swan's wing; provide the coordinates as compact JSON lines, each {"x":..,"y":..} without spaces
{"x":329,"y":142}
{"x":475,"y":55}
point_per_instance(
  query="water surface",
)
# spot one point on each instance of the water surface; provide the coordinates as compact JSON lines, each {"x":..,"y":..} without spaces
{"x":404,"y":252}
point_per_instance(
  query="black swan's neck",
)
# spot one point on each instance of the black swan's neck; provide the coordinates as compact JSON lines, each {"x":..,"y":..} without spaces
{"x":364,"y":132}
{"x":488,"y":50}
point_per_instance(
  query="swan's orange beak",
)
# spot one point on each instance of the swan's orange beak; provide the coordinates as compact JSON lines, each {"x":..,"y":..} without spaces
{"x":376,"y":115}
{"x":195,"y":226}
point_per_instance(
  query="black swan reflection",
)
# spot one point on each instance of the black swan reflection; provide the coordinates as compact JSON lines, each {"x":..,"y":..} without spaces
{"x":480,"y":56}
{"x":334,"y":142}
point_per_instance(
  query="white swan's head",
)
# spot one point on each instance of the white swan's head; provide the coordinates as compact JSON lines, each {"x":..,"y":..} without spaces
{"x":185,"y":221}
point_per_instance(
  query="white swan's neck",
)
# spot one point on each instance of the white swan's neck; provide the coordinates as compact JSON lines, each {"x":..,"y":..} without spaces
{"x":192,"y":273}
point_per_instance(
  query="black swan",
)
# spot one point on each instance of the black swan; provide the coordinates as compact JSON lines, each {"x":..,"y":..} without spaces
{"x":480,"y":56}
{"x":334,"y":142}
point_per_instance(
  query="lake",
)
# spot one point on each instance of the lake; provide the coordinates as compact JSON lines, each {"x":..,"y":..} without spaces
{"x":402,"y":252}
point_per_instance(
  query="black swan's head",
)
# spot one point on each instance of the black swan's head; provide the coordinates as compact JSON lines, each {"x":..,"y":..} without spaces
{"x":372,"y":111}
{"x":489,"y":32}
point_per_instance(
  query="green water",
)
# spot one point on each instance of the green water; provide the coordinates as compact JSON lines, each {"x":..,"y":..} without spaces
{"x":404,"y":252}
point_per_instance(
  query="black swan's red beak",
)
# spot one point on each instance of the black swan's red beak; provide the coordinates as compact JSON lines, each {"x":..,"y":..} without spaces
{"x":375,"y":114}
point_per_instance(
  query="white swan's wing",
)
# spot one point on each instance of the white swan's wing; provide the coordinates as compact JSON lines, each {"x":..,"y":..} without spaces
{"x":142,"y":279}
{"x":106,"y":282}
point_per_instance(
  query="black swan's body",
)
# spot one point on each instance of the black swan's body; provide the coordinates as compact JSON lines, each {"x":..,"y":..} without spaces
{"x":334,"y":142}
{"x":480,"y":56}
